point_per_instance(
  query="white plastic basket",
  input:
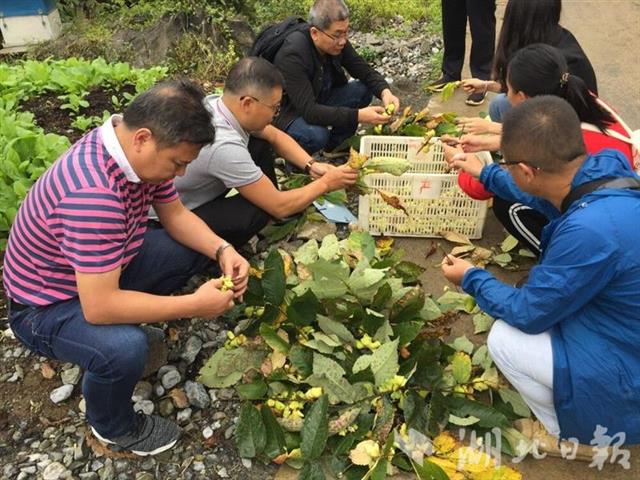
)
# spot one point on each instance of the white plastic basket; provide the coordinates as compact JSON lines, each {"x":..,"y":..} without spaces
{"x":430,"y":194}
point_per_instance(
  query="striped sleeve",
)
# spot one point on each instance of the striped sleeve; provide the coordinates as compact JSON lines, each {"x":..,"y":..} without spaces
{"x":91,"y":233}
{"x":164,"y":193}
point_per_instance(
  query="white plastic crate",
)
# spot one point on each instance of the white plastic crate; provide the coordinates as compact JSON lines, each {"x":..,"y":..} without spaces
{"x":430,"y":194}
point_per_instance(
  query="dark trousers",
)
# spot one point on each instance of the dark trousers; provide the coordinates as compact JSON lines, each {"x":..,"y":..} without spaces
{"x":114,"y":355}
{"x":482,"y":21}
{"x":522,"y":222}
{"x":236,"y":219}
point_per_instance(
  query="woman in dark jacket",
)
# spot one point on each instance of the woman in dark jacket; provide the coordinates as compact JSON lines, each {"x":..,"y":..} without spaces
{"x":526,"y":22}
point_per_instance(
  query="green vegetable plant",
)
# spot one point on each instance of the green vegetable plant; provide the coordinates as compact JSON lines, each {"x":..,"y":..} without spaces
{"x":338,"y":345}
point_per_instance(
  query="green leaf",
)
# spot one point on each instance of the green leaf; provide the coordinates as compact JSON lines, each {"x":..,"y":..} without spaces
{"x":407,"y":331}
{"x":304,"y":309}
{"x":315,"y":430}
{"x":275,"y":442}
{"x":273,"y":279}
{"x":275,"y":233}
{"x":272,"y":338}
{"x":329,"y":248}
{"x":457,"y":301}
{"x":362,"y":242}
{"x":489,"y":416}
{"x":481,"y":357}
{"x":252,"y":391}
{"x":429,"y":471}
{"x":408,"y":307}
{"x":461,"y":367}
{"x":463,"y":422}
{"x":302,"y":359}
{"x":311,"y":471}
{"x":226,"y":367}
{"x":362,"y":363}
{"x":509,"y":243}
{"x":409,"y":271}
{"x":251,"y":435}
{"x":384,"y":362}
{"x":502,"y":259}
{"x":325,"y":366}
{"x":365,"y":282}
{"x":482,"y":323}
{"x":462,"y":344}
{"x":338,"y":389}
{"x":333,"y":327}
{"x":523,"y":252}
{"x":430,"y":310}
{"x":307,"y":253}
{"x":514,"y":399}
{"x":382,"y":296}
{"x":338,"y":197}
{"x":329,"y":279}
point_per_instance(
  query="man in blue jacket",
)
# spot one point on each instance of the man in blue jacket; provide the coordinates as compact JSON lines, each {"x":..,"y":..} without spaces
{"x":569,"y":339}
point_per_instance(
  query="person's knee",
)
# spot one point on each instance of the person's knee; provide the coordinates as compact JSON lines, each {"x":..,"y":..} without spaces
{"x":499,"y":342}
{"x":126,"y":356}
{"x":311,"y":137}
{"x":498,"y":106}
{"x":362,"y":92}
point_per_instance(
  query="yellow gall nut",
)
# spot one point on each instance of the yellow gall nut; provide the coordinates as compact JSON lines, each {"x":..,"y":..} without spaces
{"x":359,"y":345}
{"x":227,"y":283}
{"x":378,"y":129}
{"x":230,"y":335}
{"x":313,"y":393}
{"x":297,"y":414}
{"x":279,"y":406}
{"x":271,"y":402}
{"x":390,"y":109}
{"x":295,"y":453}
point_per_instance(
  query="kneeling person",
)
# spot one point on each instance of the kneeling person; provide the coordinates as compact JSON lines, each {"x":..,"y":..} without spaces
{"x":242,"y":116}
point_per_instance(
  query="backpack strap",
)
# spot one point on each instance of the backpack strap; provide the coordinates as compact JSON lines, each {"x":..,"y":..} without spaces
{"x":581,"y":190}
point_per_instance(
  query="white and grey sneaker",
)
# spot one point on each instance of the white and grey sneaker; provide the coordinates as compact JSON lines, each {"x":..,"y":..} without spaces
{"x":152,"y":435}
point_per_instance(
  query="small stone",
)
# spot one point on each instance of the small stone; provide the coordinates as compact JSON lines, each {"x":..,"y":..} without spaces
{"x":225,"y":393}
{"x":183,"y":416}
{"x":171,"y":379}
{"x":197,"y":394}
{"x":316,"y":230}
{"x":148,"y":464}
{"x":142,"y":391}
{"x":17,"y":375}
{"x":88,"y":476}
{"x":207,"y":432}
{"x":191,"y":349}
{"x":165,"y":407}
{"x":60,"y":394}
{"x":228,"y":433}
{"x":53,"y":471}
{"x":246,"y":463}
{"x":213,"y":396}
{"x":158,"y":390}
{"x":82,"y":405}
{"x":144,"y":406}
{"x":222,"y":472}
{"x":120,"y":465}
{"x":219,"y":416}
{"x":197,"y":466}
{"x":144,"y":476}
{"x":71,"y":376}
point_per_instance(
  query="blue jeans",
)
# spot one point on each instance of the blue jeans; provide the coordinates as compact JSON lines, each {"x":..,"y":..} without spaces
{"x":498,"y":107}
{"x":113,"y":356}
{"x":312,"y":138}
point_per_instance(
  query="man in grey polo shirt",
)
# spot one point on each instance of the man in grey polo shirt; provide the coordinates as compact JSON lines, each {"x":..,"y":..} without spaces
{"x":243,"y":116}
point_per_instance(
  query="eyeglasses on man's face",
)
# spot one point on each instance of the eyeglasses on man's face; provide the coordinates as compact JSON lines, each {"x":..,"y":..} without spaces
{"x":337,"y":37}
{"x":507,"y":163}
{"x":275,"y":108}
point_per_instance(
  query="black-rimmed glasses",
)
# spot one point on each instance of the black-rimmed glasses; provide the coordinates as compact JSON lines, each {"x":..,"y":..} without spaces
{"x":506,"y":163}
{"x":336,"y":38}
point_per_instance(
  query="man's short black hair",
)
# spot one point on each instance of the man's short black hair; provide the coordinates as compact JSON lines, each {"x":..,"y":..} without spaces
{"x":174,"y":112}
{"x":543,"y":132}
{"x":253,"y":74}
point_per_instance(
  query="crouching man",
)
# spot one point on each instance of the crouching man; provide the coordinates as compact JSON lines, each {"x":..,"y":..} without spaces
{"x":568,"y":339}
{"x":81,"y":271}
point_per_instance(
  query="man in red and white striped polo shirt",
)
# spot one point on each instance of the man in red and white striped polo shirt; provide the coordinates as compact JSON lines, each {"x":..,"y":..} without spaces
{"x":81,"y":270}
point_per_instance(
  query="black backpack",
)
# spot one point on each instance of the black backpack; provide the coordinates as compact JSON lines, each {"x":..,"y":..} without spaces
{"x":271,"y":38}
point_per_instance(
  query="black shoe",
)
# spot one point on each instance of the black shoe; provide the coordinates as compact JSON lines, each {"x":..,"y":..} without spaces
{"x":475,"y":99}
{"x":152,"y":435}
{"x":439,"y":84}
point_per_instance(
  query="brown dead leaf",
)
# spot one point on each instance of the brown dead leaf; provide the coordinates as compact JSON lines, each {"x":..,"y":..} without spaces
{"x":214,"y":440}
{"x":280,"y":459}
{"x":462,"y":250}
{"x":432,"y":249}
{"x":100,"y":449}
{"x":398,"y":122}
{"x":456,"y":237}
{"x":392,"y":200}
{"x":179,"y":398}
{"x":174,"y":334}
{"x":47,"y":370}
{"x":422,"y":114}
{"x":482,"y":253}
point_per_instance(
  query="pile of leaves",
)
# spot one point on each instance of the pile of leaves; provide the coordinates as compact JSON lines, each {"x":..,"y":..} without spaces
{"x":418,"y":124}
{"x":336,"y":356}
{"x":507,"y":256}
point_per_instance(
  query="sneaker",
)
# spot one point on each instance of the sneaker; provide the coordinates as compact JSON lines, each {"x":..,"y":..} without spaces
{"x":152,"y":435}
{"x":475,"y":99}
{"x":439,"y":84}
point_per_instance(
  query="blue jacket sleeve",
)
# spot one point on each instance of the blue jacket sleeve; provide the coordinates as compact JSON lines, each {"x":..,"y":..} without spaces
{"x":578,"y":263}
{"x":500,"y":182}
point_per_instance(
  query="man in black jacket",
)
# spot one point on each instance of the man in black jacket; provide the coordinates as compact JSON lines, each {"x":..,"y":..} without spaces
{"x":321,"y":108}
